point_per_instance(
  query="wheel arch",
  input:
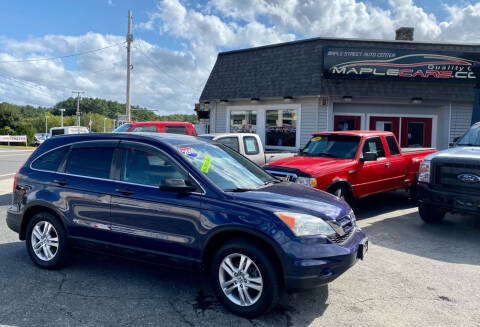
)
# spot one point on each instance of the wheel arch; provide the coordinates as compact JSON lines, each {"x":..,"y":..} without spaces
{"x":341,"y":182}
{"x":226,"y":234}
{"x":32,"y":210}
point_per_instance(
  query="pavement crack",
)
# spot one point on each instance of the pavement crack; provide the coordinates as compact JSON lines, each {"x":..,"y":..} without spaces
{"x":181,"y":314}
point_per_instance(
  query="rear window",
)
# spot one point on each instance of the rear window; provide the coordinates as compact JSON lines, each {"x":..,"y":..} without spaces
{"x":393,"y":146}
{"x":145,"y":128}
{"x":176,"y":129}
{"x":90,"y":162}
{"x":60,"y":131}
{"x":50,"y":160}
{"x":231,"y":142}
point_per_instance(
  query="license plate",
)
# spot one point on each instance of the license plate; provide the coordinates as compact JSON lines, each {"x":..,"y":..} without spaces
{"x":362,"y":249}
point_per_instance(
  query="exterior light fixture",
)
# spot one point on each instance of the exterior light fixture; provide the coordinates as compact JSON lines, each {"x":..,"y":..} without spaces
{"x":287,"y":98}
{"x":254,"y":100}
{"x":417,"y":100}
{"x":347,"y":98}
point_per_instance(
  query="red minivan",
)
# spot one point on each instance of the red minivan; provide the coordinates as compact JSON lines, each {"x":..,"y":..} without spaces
{"x":175,"y":127}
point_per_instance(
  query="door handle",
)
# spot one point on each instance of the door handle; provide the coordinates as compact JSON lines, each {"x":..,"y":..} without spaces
{"x":60,"y":181}
{"x":125,"y":191}
{"x":387,"y":165}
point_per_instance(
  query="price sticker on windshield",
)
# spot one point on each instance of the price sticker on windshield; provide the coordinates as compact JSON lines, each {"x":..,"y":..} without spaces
{"x":189,"y":152}
{"x":206,"y":164}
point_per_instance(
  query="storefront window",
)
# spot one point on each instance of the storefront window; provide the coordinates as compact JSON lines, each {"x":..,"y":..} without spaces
{"x":281,"y":127}
{"x":244,"y":121}
{"x":415,"y":134}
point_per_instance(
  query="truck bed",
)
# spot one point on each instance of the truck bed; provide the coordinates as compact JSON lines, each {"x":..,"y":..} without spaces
{"x":408,"y":150}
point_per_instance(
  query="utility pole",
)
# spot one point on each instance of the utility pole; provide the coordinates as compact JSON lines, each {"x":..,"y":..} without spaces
{"x":129,"y":63}
{"x":114,"y":124}
{"x":104,"y":124}
{"x":46,"y":124}
{"x":78,"y":105}
{"x":61,"y":114}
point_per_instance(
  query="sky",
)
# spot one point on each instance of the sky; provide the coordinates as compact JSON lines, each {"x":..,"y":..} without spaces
{"x":176,"y":42}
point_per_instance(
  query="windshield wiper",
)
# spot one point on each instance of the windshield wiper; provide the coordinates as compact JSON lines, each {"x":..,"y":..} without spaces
{"x":272,"y":181}
{"x":324,"y":154}
{"x":238,"y":189}
{"x":468,"y":144}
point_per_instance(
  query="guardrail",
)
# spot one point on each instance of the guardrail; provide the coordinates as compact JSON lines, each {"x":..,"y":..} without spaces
{"x":14,"y":139}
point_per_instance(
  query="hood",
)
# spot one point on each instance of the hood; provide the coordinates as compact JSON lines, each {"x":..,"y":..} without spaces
{"x":295,"y":198}
{"x":313,"y":166}
{"x":458,"y":152}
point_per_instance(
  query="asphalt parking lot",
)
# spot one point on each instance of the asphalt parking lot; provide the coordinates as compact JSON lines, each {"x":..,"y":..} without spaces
{"x":414,"y":275}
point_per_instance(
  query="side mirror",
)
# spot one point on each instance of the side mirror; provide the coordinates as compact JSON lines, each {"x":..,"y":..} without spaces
{"x":369,"y":156}
{"x":177,"y":185}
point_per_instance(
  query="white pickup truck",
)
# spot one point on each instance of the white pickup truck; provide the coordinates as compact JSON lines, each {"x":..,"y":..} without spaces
{"x":249,"y":145}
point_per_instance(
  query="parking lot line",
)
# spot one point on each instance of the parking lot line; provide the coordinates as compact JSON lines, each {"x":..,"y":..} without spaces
{"x":5,"y":175}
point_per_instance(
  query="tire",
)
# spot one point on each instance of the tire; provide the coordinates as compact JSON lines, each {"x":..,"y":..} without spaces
{"x":430,"y":214}
{"x":46,"y":255}
{"x":342,"y":192}
{"x":265,"y":276}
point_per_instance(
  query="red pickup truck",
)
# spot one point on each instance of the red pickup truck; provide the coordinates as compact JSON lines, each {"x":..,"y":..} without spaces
{"x":352,"y":164}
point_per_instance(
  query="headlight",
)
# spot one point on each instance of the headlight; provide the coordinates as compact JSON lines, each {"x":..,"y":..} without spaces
{"x":309,"y":181}
{"x":352,"y":217}
{"x":424,"y":172}
{"x":302,"y":224}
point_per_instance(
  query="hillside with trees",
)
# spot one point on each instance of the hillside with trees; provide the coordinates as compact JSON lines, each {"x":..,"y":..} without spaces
{"x":27,"y":120}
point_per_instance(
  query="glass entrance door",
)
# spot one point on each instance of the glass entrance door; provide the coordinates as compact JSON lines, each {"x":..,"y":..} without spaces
{"x":391,"y":124}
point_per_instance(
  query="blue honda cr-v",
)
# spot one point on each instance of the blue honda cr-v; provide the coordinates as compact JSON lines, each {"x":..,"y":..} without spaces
{"x":180,"y":200}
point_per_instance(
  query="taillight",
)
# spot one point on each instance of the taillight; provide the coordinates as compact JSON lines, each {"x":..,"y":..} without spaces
{"x":16,"y":175}
{"x":15,"y":180}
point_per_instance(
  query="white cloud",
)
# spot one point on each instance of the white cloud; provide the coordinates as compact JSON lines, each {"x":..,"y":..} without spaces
{"x":171,"y":80}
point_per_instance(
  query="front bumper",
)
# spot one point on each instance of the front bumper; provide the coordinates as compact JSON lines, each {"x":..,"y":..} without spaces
{"x":309,"y":273}
{"x":449,"y":200}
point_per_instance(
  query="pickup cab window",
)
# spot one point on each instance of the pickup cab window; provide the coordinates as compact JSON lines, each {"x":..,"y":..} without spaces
{"x":231,"y":142}
{"x":374,"y":144}
{"x":251,"y":145}
{"x":333,"y":146}
{"x":392,"y":146}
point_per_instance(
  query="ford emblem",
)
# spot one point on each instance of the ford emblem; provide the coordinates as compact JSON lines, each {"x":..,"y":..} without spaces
{"x":469,"y":178}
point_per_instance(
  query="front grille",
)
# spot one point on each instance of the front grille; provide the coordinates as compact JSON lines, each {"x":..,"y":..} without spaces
{"x":345,"y":225}
{"x":284,"y":176}
{"x":445,"y":176}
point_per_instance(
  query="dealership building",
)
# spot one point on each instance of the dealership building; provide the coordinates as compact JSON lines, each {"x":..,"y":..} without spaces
{"x":423,"y":92}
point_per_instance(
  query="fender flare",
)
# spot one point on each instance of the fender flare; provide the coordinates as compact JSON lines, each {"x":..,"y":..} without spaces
{"x":340,"y":181}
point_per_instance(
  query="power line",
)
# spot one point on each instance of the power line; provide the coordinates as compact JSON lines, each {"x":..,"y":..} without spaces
{"x":144,"y":52}
{"x":65,"y":56}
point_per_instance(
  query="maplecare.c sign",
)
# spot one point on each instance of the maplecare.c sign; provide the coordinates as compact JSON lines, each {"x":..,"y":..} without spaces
{"x":357,"y":63}
{"x":13,"y":138}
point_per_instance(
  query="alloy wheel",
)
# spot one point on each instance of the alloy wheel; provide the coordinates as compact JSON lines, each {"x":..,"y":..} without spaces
{"x":45,"y":240}
{"x":240,"y":279}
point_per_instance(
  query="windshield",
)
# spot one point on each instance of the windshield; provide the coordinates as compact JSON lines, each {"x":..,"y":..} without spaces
{"x":224,"y":167}
{"x":333,"y":146}
{"x":472,"y":137}
{"x":123,"y":128}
